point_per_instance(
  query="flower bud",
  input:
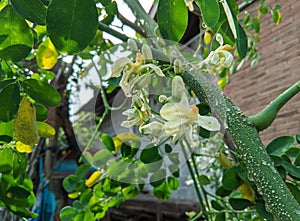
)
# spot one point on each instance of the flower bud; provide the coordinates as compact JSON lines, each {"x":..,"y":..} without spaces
{"x":146,"y":52}
{"x":132,"y":45}
{"x":177,"y":66}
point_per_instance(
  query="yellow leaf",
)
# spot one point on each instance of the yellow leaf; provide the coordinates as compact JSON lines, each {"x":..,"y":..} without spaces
{"x":93,"y":179}
{"x":279,"y":18}
{"x":45,"y":130}
{"x":247,"y":192}
{"x":73,"y":195}
{"x":23,"y":148}
{"x":25,"y":129}
{"x":117,"y":143}
{"x":125,"y":137}
{"x":225,"y":161}
{"x":207,"y":38}
{"x":46,"y":55}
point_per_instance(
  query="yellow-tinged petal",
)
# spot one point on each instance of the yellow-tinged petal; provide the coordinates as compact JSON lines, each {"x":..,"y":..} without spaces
{"x":24,"y":148}
{"x":118,"y":66}
{"x":46,"y":55}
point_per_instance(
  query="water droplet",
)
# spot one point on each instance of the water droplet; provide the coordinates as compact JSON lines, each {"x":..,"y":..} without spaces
{"x":298,"y":212}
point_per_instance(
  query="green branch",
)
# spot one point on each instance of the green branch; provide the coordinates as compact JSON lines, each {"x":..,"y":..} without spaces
{"x":109,"y":30}
{"x":250,"y":149}
{"x":147,"y":23}
{"x":265,"y":118}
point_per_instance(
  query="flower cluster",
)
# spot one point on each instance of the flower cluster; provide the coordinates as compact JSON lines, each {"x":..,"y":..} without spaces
{"x":218,"y":59}
{"x":176,"y":117}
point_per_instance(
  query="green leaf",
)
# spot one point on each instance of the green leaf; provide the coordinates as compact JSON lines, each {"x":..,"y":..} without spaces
{"x":6,"y":131}
{"x":32,"y":10}
{"x":239,"y":203}
{"x":162,"y":191}
{"x":125,"y":150}
{"x":83,"y":170}
{"x":241,"y":41}
{"x":42,"y":92}
{"x":242,"y":173}
{"x":275,"y":15}
{"x":78,"y":205}
{"x":9,"y":100}
{"x":216,"y":205}
{"x":70,"y":183}
{"x":16,"y":39}
{"x":67,"y":213}
{"x":204,"y":180}
{"x":171,"y":26}
{"x":261,"y":209}
{"x":111,"y":10}
{"x":22,"y":212}
{"x":19,"y":192}
{"x":174,"y":158}
{"x":256,"y":25}
{"x":157,"y":178}
{"x":220,"y":217}
{"x":117,"y":169}
{"x":101,"y":157}
{"x":173,"y":183}
{"x":280,"y":145}
{"x":41,"y":112}
{"x":230,"y":179}
{"x":130,"y":192}
{"x":71,"y":24}
{"x":210,"y":11}
{"x":168,"y":148}
{"x":297,"y":160}
{"x":263,"y":9}
{"x":295,"y":191}
{"x":291,"y":169}
{"x":86,"y":195}
{"x":108,"y":142}
{"x":222,"y":192}
{"x":7,"y":159}
{"x":149,"y":155}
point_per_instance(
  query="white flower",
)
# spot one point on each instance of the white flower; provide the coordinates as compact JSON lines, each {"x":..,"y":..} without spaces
{"x":154,"y":128}
{"x":181,"y":117}
{"x":219,"y":59}
{"x":133,"y":72}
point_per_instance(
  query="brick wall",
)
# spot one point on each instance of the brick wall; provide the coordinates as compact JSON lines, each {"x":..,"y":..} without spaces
{"x":252,"y":88}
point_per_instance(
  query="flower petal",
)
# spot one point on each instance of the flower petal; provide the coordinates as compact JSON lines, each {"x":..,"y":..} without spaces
{"x":209,"y":123}
{"x":155,"y":68}
{"x":118,"y":66}
{"x":154,"y":128}
{"x":177,"y":88}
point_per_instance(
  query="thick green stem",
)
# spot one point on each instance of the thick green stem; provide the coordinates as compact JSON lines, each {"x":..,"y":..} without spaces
{"x":147,"y":23}
{"x":252,"y":153}
{"x":264,"y":119}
